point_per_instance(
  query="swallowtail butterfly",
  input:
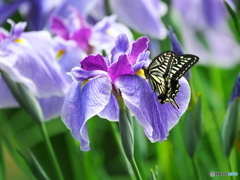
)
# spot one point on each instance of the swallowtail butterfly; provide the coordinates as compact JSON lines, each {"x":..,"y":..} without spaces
{"x":164,"y":72}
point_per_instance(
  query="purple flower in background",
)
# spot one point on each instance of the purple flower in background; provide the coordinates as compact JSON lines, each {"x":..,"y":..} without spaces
{"x":175,"y":44}
{"x":91,"y":39}
{"x":206,"y":36}
{"x":100,"y":81}
{"x":35,"y":12}
{"x":26,"y":59}
{"x":142,"y":16}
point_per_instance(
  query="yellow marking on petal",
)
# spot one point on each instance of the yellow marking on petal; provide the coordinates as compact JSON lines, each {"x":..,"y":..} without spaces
{"x":112,"y":32}
{"x":60,"y":54}
{"x":85,"y":82}
{"x":140,"y":72}
{"x":21,"y":41}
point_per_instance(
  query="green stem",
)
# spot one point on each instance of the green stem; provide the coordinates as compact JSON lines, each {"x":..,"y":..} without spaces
{"x":230,"y":167}
{"x":196,"y":168}
{"x":117,"y":138}
{"x":2,"y":164}
{"x":135,"y":168}
{"x":51,"y":152}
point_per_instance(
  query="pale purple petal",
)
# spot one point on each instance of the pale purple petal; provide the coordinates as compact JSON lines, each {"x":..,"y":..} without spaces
{"x":51,"y":107}
{"x":213,"y":11}
{"x":33,"y":64}
{"x":142,"y":16}
{"x":141,"y":61}
{"x":139,"y":46}
{"x":6,"y":98}
{"x":121,"y":46}
{"x":68,"y":54}
{"x":83,"y":103}
{"x":17,"y":29}
{"x":79,"y":75}
{"x":94,"y":62}
{"x":111,"y":110}
{"x":58,"y":27}
{"x":105,"y":33}
{"x":121,"y":67}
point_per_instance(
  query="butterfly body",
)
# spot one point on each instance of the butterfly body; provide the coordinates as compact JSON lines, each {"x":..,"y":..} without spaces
{"x":164,"y":72}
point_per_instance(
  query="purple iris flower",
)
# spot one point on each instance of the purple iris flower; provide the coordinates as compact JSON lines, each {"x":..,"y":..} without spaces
{"x":26,"y":59}
{"x":91,"y":39}
{"x":101,"y":81}
{"x":202,"y":38}
{"x":142,"y":16}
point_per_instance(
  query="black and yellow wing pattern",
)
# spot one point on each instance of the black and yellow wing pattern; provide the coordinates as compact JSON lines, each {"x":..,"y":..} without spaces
{"x":164,"y":72}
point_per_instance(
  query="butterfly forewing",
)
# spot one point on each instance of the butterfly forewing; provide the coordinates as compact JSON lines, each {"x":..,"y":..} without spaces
{"x":162,"y":64}
{"x":182,"y":64}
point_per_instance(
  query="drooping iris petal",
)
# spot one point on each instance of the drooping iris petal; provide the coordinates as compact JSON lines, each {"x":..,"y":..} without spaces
{"x":83,"y":103}
{"x":138,"y":47}
{"x":93,"y":62}
{"x":33,"y":64}
{"x":142,"y":16}
{"x":121,"y":67}
{"x":156,"y":118}
{"x":169,"y":113}
{"x":142,"y":102}
{"x":111,"y":110}
{"x":51,"y":106}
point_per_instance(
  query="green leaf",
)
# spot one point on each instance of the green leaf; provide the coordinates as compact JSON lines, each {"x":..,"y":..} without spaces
{"x":126,"y":134}
{"x":193,"y":128}
{"x":229,"y":130}
{"x":153,"y":177}
{"x":235,"y":20}
{"x":35,"y":166}
{"x":24,"y":97}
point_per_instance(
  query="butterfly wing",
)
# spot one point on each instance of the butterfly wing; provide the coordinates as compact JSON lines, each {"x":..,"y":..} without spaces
{"x":182,"y":64}
{"x":162,"y":64}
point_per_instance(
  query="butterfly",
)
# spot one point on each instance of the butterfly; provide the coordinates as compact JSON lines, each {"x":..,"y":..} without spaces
{"x":164,"y":72}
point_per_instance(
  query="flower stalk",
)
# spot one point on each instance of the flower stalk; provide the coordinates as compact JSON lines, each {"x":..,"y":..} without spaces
{"x":127,"y":139}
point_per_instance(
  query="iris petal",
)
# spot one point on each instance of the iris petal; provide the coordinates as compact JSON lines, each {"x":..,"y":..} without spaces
{"x":111,"y":110}
{"x":121,"y":67}
{"x":139,"y":46}
{"x":93,"y":62}
{"x":83,"y":103}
